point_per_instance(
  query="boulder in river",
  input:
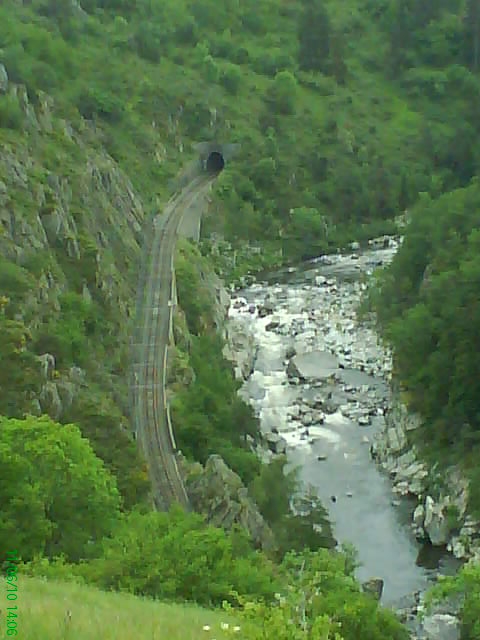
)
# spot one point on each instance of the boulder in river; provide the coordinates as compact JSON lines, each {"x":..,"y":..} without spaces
{"x":291,"y":351}
{"x":315,"y":365}
{"x":267,"y":308}
{"x":273,"y":324}
{"x":263,"y":312}
{"x":373,"y":586}
{"x":276,"y":443}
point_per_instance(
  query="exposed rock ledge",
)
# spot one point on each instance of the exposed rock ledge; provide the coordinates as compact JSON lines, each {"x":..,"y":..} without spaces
{"x":218,"y":493}
{"x":443,"y":519}
{"x":240,"y":348}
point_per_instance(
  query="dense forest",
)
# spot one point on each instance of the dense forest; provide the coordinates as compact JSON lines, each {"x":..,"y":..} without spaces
{"x":348,"y":113}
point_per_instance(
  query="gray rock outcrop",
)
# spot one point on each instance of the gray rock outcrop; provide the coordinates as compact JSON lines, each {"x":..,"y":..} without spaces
{"x":436,"y":525}
{"x":3,"y":79}
{"x":441,"y":626}
{"x":440,"y":517}
{"x":276,"y":443}
{"x":47,"y":365}
{"x":240,"y":348}
{"x":50,"y":401}
{"x":218,"y":492}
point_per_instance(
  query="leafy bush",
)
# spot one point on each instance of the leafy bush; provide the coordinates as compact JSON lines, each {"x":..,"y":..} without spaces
{"x":322,"y":602}
{"x":95,"y":101}
{"x":15,"y":281}
{"x":176,"y":556}
{"x":193,"y":295}
{"x":67,"y":336}
{"x":101,"y":421}
{"x":149,"y":41}
{"x":20,"y":371}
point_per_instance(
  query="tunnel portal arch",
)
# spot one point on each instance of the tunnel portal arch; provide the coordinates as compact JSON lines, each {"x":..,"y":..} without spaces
{"x":215,"y":162}
{"x":213,"y":156}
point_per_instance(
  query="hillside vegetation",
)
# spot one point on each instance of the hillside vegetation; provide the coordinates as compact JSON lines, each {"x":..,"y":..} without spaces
{"x":345,"y":111}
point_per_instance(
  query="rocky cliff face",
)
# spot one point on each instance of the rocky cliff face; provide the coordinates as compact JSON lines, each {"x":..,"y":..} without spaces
{"x":441,"y":515}
{"x":69,"y":216}
{"x":218,"y":493}
{"x":70,"y":243}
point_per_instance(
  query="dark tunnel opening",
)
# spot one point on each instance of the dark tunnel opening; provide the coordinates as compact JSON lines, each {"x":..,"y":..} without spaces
{"x":215,"y":162}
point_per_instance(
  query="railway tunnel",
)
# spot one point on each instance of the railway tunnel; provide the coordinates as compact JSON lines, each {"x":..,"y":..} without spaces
{"x":215,"y":162}
{"x":214,"y":156}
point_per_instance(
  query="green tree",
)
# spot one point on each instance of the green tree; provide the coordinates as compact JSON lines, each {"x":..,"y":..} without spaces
{"x":472,"y":27}
{"x":314,"y":33}
{"x":307,"y":233}
{"x":56,"y":495}
{"x":282,"y":93}
{"x":306,"y":525}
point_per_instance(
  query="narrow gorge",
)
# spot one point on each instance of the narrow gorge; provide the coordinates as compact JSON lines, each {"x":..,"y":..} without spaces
{"x":320,"y":381}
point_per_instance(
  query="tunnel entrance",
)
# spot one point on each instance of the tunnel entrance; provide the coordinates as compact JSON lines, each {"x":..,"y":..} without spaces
{"x":215,"y":162}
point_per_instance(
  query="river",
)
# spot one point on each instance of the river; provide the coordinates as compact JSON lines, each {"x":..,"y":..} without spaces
{"x":320,"y":381}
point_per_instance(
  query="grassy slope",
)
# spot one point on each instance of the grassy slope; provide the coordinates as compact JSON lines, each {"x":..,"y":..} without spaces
{"x":95,"y":615}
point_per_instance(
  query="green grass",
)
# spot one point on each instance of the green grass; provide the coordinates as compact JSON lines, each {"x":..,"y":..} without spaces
{"x":63,"y":610}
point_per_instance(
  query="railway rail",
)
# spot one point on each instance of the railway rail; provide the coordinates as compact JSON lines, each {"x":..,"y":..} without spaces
{"x":150,"y":410}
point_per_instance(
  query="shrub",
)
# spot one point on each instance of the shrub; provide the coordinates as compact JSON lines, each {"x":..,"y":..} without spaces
{"x":231,"y":78}
{"x":176,"y":556}
{"x":11,"y":114}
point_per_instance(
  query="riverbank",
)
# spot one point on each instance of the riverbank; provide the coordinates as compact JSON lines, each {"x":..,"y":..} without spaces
{"x":441,"y":513}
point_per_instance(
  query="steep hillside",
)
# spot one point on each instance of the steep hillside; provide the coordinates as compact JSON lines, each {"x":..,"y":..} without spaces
{"x":345,"y":111}
{"x":69,"y":243}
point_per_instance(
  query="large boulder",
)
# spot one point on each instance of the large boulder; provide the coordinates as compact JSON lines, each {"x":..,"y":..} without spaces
{"x":218,"y":492}
{"x":276,"y":443}
{"x":240,"y":348}
{"x":374,"y":587}
{"x":441,"y":626}
{"x":316,"y":365}
{"x":436,"y":523}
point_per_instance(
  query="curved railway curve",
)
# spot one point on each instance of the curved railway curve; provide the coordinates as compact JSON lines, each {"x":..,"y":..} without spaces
{"x":150,"y":347}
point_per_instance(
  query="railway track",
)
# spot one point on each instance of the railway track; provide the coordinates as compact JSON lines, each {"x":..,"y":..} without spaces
{"x":150,"y":349}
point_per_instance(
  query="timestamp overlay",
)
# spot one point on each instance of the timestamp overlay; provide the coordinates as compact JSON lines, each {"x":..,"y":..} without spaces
{"x":11,"y":586}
